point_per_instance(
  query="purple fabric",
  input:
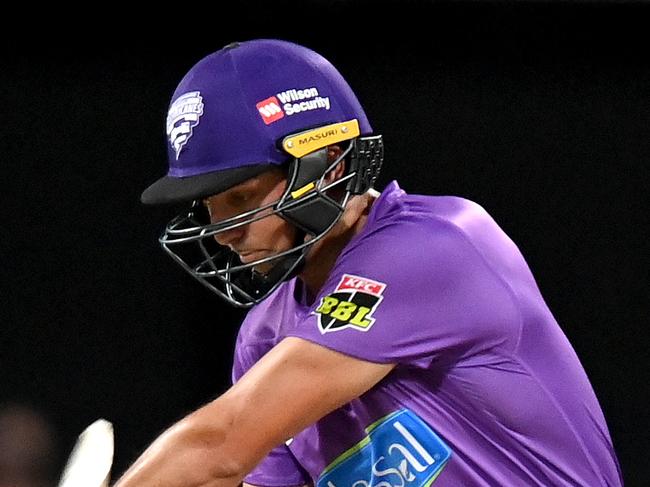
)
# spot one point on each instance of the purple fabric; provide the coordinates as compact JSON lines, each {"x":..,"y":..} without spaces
{"x":480,"y":357}
{"x":244,"y":99}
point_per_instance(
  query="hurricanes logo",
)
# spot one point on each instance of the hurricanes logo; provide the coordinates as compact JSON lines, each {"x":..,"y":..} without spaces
{"x":350,"y":305}
{"x":183,"y":116}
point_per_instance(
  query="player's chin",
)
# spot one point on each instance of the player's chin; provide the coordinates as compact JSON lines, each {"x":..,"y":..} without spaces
{"x":263,"y":269}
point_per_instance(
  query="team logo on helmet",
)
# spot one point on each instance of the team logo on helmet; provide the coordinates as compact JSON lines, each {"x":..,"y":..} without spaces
{"x":350,"y":305}
{"x":184,"y":114}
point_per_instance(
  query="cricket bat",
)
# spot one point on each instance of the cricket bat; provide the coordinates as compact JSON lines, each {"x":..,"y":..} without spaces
{"x":89,"y":464}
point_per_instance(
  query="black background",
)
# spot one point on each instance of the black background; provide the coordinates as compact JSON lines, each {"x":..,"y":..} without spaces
{"x":537,"y":111}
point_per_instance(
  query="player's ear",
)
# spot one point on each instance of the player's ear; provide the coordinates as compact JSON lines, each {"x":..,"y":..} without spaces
{"x":333,"y":153}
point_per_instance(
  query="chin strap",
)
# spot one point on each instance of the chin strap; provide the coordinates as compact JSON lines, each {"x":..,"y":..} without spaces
{"x":257,"y":284}
{"x":316,"y":213}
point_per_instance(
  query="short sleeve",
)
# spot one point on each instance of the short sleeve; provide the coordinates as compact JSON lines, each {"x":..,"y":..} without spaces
{"x":279,"y":468}
{"x":414,"y":293}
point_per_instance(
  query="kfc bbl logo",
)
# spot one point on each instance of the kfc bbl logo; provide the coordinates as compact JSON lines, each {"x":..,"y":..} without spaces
{"x":350,"y":305}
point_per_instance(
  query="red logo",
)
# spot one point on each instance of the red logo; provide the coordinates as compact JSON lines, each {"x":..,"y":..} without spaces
{"x":351,"y":305}
{"x":270,"y":110}
{"x":355,"y":283}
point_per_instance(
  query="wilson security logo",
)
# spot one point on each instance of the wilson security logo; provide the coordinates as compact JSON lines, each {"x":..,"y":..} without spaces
{"x":184,"y":114}
{"x":270,"y":110}
{"x":291,"y":102}
{"x":351,"y":305}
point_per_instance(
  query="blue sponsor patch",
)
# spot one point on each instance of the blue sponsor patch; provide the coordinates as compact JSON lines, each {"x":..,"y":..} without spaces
{"x":400,"y":450}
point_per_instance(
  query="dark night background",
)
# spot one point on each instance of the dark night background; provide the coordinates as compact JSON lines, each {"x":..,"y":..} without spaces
{"x":538,"y":111}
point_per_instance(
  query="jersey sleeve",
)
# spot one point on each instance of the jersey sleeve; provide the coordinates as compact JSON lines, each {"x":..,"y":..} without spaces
{"x":279,"y":468}
{"x":414,"y":293}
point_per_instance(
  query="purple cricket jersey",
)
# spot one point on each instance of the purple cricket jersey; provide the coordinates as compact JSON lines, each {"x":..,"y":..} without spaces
{"x":487,"y":390}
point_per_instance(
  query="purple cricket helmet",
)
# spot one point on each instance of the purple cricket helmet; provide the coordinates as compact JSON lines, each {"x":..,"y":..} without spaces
{"x":238,"y":112}
{"x":232,"y":108}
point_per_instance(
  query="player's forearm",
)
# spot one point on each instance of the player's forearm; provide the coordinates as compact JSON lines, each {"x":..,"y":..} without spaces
{"x":192,"y":453}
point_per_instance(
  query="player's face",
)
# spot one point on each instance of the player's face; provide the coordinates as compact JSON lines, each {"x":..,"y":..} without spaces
{"x":262,"y":238}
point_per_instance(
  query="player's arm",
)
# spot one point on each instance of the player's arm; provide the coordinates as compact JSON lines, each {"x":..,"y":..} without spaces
{"x":291,"y":387}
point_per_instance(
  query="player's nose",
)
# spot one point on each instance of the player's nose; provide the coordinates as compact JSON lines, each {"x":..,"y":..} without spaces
{"x":230,"y":236}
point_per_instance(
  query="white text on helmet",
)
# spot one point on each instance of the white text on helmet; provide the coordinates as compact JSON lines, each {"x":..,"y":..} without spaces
{"x":313,"y":100}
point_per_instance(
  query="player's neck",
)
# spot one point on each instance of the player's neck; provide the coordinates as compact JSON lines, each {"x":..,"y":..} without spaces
{"x":323,"y":254}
